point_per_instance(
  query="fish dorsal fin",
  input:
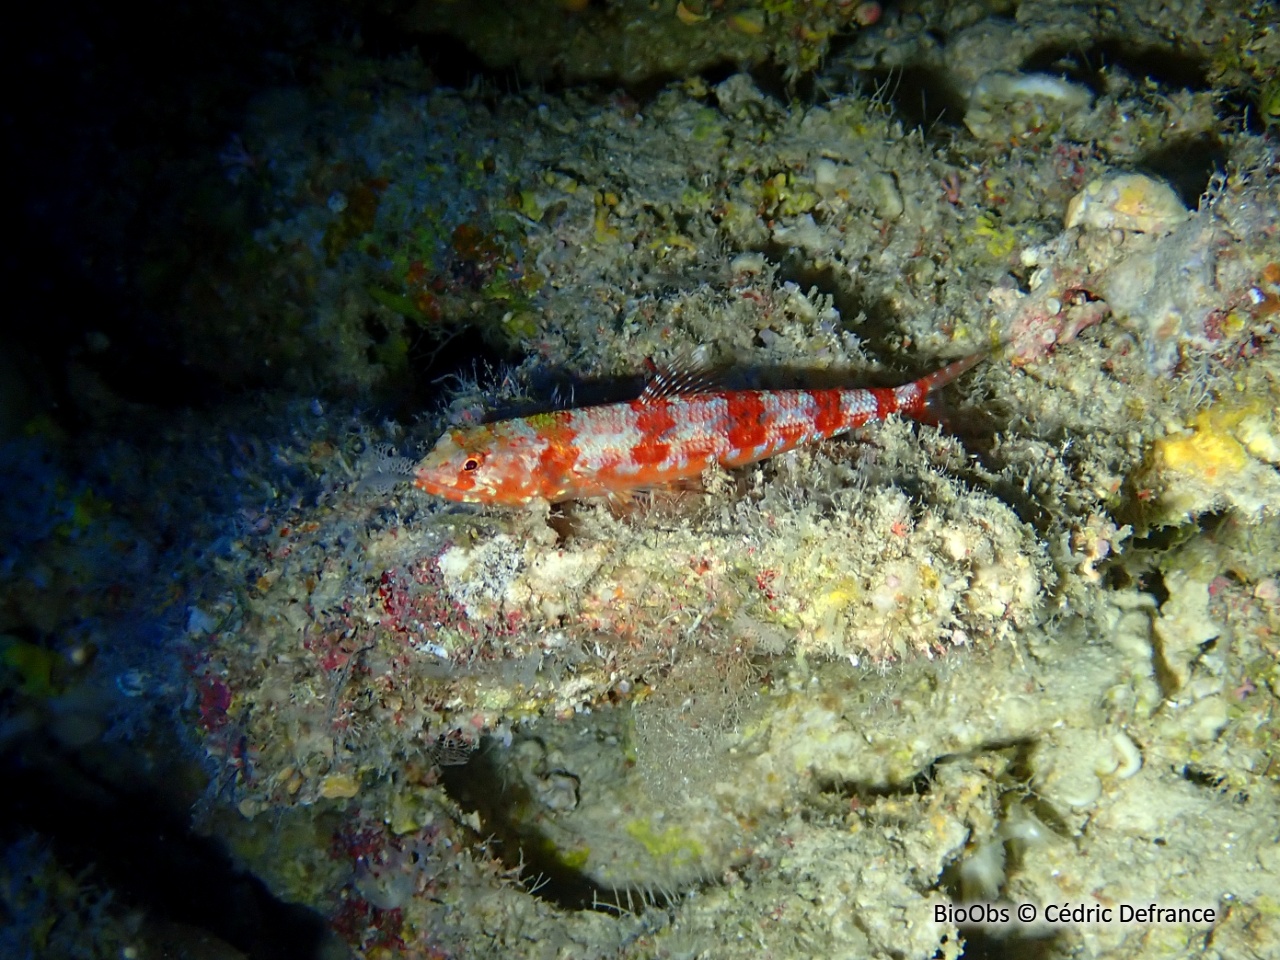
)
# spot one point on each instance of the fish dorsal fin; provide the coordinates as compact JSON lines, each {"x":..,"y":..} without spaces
{"x":687,"y":374}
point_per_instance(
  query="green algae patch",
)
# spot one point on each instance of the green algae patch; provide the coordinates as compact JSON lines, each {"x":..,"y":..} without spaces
{"x":672,"y":845}
{"x":398,"y":303}
{"x":575,"y":859}
{"x":29,"y":668}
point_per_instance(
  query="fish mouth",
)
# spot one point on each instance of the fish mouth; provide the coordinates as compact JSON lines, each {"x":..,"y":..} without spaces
{"x":503,"y":495}
{"x":423,"y":480}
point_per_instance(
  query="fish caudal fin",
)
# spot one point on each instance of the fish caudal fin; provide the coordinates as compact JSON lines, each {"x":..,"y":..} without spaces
{"x":915,"y":398}
{"x":940,"y":378}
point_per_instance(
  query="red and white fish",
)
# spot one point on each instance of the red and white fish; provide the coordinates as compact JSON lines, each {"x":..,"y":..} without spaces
{"x":665,"y":435}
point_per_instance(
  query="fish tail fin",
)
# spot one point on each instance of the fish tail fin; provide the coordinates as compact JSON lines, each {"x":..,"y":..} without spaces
{"x":917,"y":398}
{"x":932,"y":382}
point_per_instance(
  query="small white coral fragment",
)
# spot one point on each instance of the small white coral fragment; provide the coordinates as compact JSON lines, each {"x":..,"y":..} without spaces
{"x":1130,"y":757}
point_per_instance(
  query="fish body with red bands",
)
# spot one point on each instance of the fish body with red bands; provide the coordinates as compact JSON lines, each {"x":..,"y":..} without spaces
{"x":662,"y":437}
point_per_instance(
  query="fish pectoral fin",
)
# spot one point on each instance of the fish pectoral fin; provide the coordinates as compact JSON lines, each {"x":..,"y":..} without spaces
{"x":626,"y":504}
{"x":621,"y":498}
{"x":663,"y":499}
{"x":684,"y":485}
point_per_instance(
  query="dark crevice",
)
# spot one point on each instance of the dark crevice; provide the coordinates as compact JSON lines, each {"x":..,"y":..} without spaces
{"x":770,"y":81}
{"x":873,"y":319}
{"x":1163,"y":539}
{"x":504,"y":803}
{"x":1166,"y":66}
{"x":991,"y":943}
{"x":923,"y":97}
{"x":917,"y":786}
{"x":1152,"y":582}
{"x":1188,"y":165}
{"x":436,"y":360}
{"x":827,"y":280}
{"x":1212,"y":780}
{"x":1243,"y":108}
{"x":455,"y":65}
{"x":136,"y":839}
{"x":1160,"y":539}
{"x":922,"y":782}
{"x":1008,"y":942}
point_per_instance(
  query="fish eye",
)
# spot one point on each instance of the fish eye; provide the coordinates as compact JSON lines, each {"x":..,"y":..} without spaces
{"x":471,"y":463}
